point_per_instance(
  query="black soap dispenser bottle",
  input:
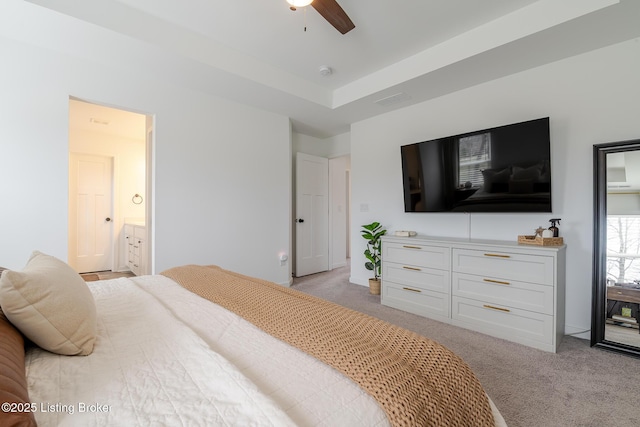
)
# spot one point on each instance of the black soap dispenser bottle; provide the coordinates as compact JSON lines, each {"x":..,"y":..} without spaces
{"x":554,"y":227}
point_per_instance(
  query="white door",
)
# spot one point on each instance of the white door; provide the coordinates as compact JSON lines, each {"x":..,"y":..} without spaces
{"x":90,"y":211}
{"x":312,"y":214}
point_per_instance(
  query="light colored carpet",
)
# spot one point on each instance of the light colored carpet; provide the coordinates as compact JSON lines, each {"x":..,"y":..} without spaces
{"x":578,"y":386}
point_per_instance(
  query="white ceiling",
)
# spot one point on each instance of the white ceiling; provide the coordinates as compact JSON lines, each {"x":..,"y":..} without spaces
{"x":623,"y":172}
{"x":257,"y":52}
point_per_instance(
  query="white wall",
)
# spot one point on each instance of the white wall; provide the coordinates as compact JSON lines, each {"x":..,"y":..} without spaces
{"x":222,"y":188}
{"x":339,"y":145}
{"x":590,"y":99}
{"x":623,"y":203}
{"x":310,"y":145}
{"x":335,"y":146}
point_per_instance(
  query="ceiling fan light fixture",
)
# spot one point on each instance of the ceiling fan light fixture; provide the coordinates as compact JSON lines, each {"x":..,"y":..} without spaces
{"x":299,"y":3}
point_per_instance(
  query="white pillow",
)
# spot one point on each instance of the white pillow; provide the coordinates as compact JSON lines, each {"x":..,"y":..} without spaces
{"x":51,"y":305}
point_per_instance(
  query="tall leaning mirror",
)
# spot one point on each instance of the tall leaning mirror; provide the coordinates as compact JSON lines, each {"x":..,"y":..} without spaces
{"x":616,"y":251}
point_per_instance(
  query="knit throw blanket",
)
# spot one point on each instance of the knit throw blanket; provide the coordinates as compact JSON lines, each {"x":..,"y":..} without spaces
{"x":417,"y":381}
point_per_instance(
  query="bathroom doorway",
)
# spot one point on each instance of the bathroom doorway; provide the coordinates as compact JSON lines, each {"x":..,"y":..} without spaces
{"x":109,"y":185}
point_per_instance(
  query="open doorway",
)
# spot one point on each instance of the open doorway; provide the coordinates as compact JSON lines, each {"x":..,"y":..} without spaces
{"x":335,"y":236}
{"x":109,"y":189}
{"x":340,"y":213}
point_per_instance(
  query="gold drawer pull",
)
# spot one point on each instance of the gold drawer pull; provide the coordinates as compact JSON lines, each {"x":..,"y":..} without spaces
{"x":498,"y":255}
{"x":497,"y":308}
{"x":412,"y":290}
{"x":411,"y":247}
{"x":496,"y":281}
{"x":411,"y":268}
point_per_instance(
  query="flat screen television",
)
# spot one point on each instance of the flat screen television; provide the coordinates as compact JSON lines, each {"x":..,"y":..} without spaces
{"x":502,"y":169}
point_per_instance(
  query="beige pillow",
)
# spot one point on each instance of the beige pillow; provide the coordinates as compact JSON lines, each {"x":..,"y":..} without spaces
{"x":51,"y":305}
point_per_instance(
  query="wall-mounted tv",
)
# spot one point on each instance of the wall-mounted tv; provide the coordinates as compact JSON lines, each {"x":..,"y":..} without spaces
{"x":502,"y":169}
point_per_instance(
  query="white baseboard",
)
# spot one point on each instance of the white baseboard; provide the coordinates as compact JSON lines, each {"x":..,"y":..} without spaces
{"x":578,"y":332}
{"x":359,"y":281}
{"x":286,"y":284}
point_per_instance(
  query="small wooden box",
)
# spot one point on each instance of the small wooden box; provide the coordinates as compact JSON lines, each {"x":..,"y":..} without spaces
{"x":540,"y":241}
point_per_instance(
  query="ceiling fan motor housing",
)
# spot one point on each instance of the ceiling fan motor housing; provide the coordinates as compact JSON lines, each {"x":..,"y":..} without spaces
{"x":330,"y":10}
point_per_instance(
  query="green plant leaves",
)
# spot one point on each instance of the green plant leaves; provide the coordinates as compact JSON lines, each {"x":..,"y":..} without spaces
{"x":371,"y":226}
{"x":372,"y":234}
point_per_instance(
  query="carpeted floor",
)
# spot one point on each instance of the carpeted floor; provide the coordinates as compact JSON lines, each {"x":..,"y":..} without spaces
{"x":578,"y":386}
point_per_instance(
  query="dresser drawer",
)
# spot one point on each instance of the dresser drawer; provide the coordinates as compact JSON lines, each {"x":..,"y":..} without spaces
{"x":513,"y":324}
{"x":417,"y":255}
{"x":418,"y":277}
{"x":505,"y":265}
{"x":523,"y":295}
{"x":417,"y":301}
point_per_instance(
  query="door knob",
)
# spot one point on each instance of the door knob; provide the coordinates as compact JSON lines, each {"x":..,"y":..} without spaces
{"x":107,"y":219}
{"x":301,"y":220}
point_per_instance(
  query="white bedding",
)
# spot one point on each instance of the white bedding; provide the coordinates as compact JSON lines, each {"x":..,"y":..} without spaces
{"x":167,"y":357}
{"x":146,"y":369}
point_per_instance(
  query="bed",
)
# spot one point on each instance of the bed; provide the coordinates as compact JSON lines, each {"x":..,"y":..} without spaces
{"x":200,"y":345}
{"x":483,"y":201}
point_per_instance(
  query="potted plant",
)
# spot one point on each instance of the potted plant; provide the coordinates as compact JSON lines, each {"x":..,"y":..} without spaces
{"x":372,"y":234}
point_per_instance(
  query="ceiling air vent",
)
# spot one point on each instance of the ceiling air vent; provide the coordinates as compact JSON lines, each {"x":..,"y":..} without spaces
{"x":393,"y":99}
{"x":99,"y":121}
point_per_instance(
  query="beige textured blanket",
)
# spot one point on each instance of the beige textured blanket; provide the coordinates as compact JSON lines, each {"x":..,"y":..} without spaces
{"x":417,"y":381}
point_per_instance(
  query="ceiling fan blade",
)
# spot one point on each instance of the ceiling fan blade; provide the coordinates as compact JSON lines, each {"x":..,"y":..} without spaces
{"x":332,"y":12}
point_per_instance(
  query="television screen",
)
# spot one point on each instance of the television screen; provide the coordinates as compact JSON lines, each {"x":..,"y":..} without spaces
{"x":502,"y":169}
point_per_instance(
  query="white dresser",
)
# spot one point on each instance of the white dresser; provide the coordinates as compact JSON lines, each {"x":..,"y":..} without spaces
{"x":504,"y":289}
{"x":135,"y":249}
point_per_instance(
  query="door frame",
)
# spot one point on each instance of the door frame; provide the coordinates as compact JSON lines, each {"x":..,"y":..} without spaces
{"x":149,"y":188}
{"x":149,"y":214}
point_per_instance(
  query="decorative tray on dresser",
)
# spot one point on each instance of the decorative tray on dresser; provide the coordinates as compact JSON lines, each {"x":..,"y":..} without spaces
{"x":504,"y":289}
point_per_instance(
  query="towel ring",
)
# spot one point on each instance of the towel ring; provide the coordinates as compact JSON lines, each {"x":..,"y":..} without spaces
{"x":137,"y":199}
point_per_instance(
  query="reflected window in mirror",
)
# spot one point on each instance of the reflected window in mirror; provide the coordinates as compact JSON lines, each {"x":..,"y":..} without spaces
{"x":623,"y":248}
{"x":623,"y":278}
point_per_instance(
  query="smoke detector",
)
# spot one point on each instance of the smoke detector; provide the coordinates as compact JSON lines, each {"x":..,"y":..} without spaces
{"x":393,"y":99}
{"x":325,"y":71}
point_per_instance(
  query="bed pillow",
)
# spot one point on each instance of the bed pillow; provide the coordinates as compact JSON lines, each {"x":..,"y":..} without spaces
{"x":13,"y":382}
{"x":532,"y":173}
{"x":523,"y":180}
{"x":51,"y":305}
{"x":496,"y":180}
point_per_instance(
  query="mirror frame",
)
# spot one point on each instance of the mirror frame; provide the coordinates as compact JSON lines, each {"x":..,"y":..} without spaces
{"x":598,"y":313}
